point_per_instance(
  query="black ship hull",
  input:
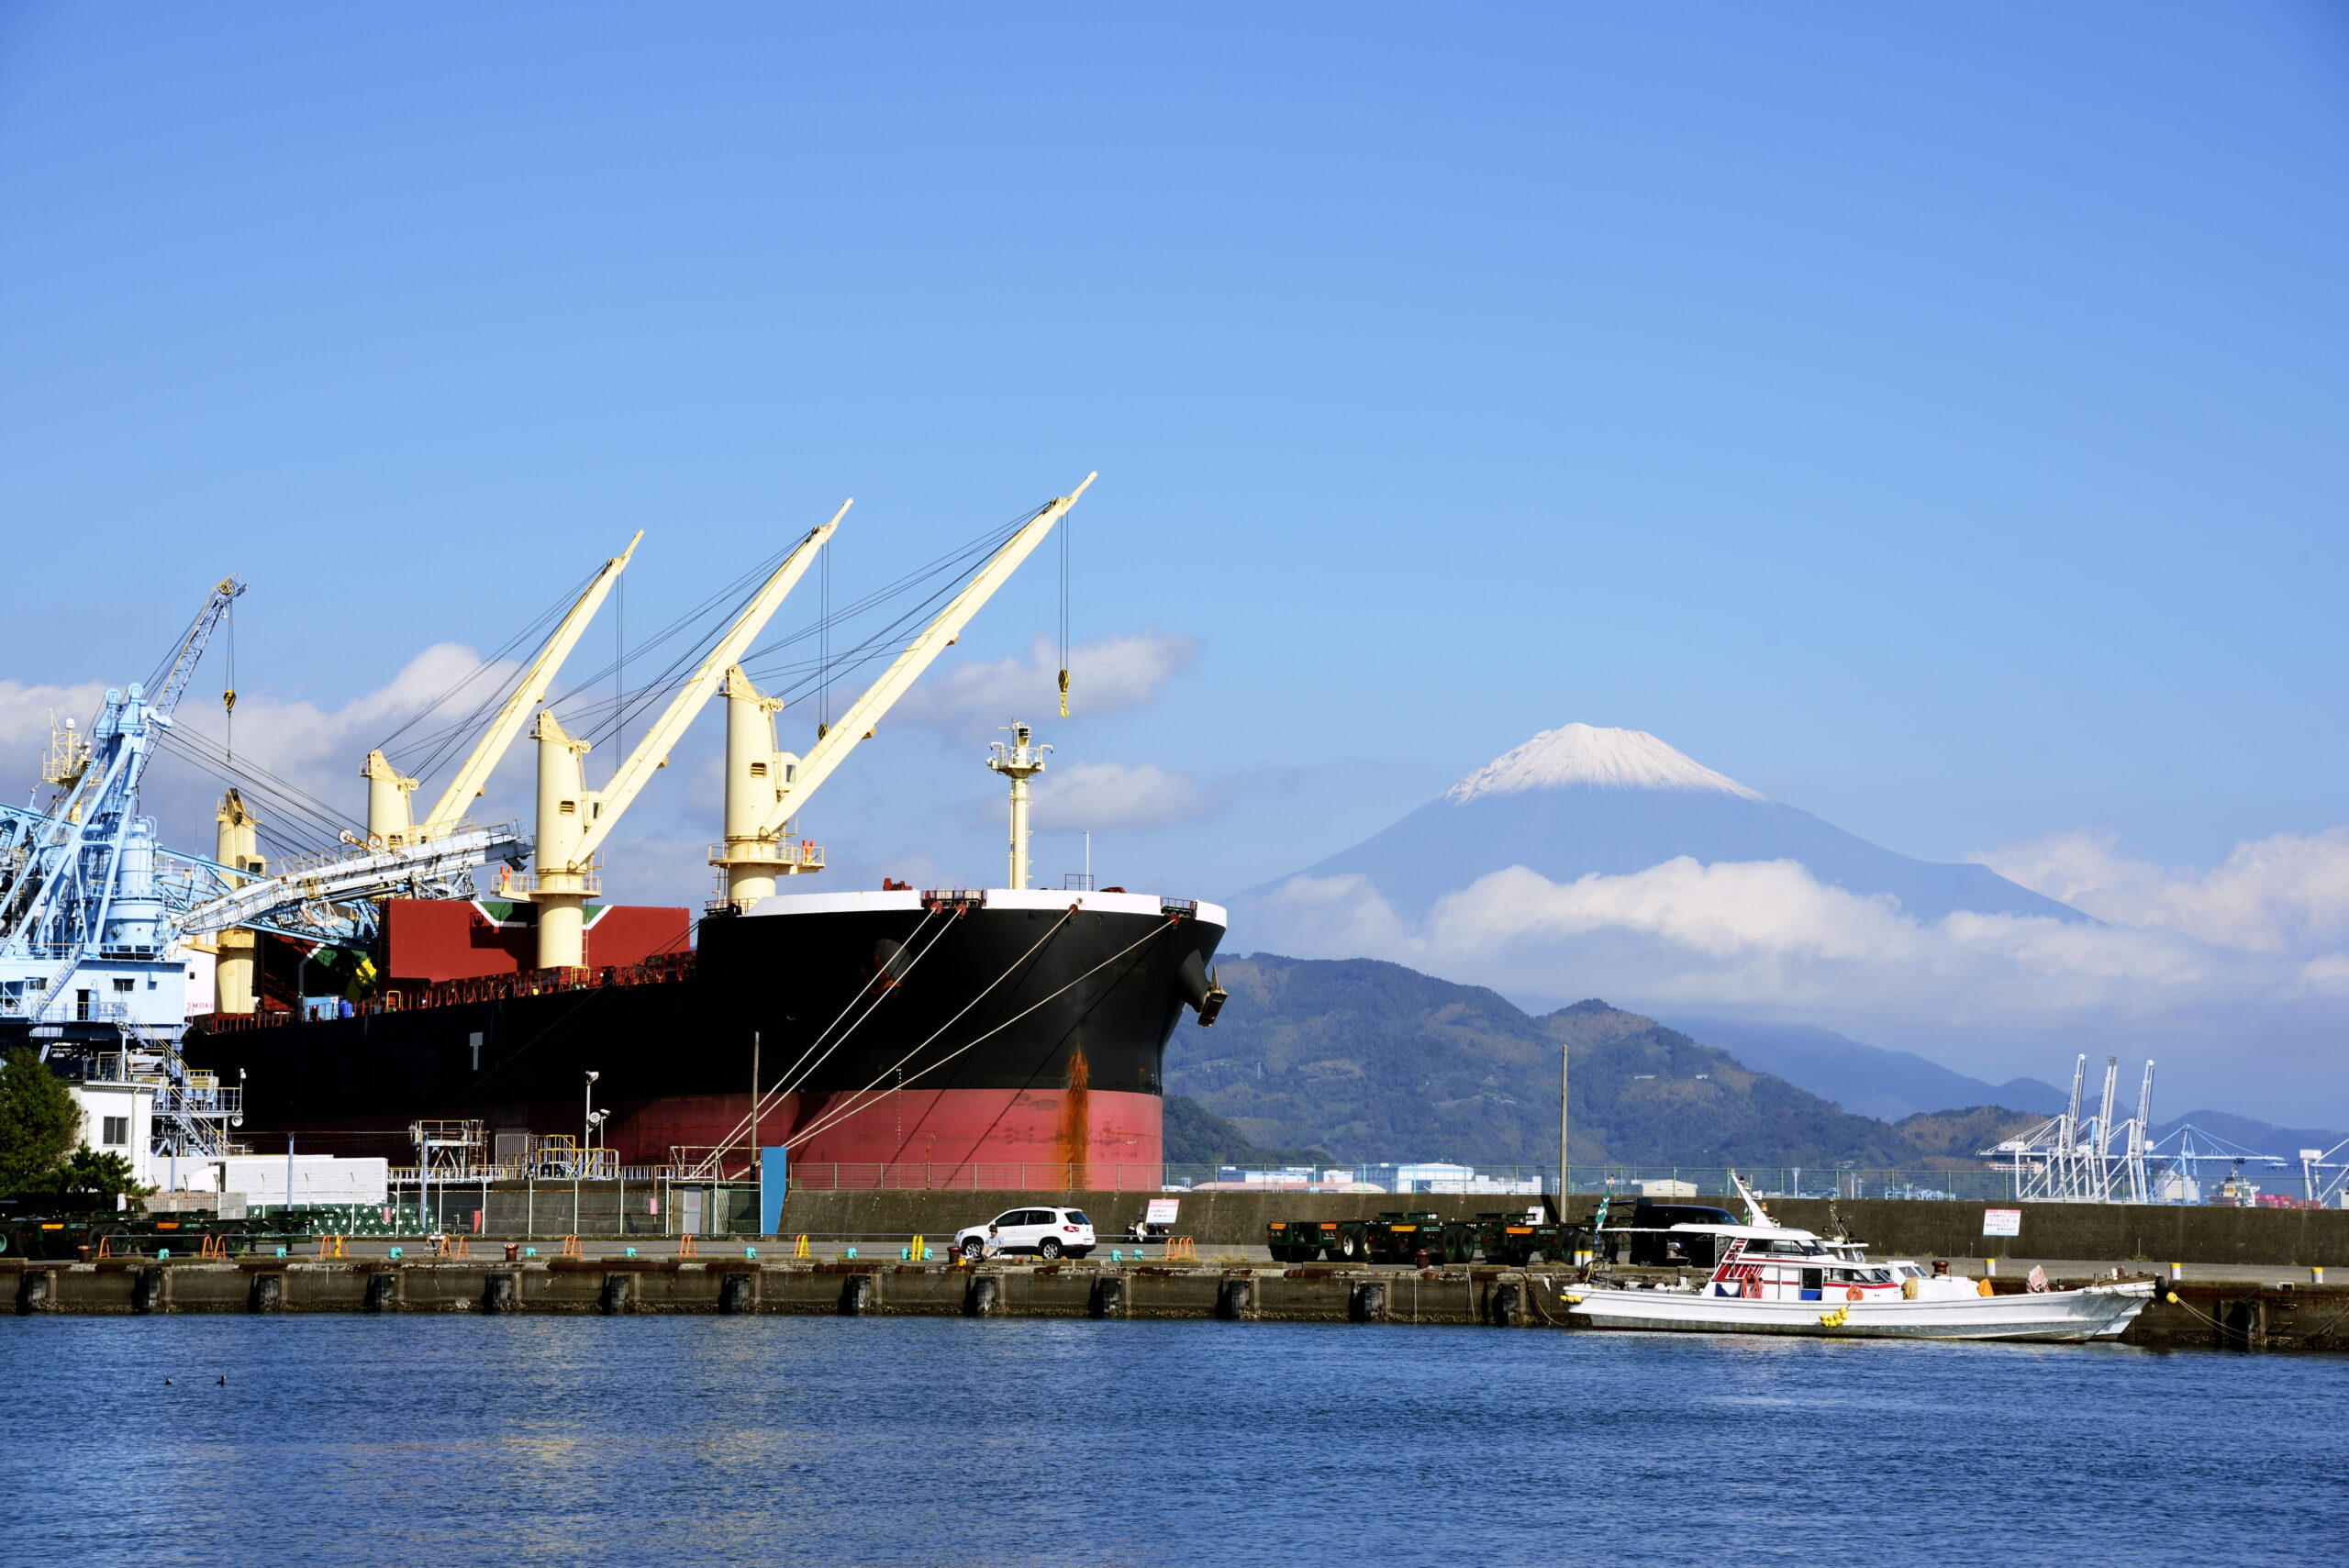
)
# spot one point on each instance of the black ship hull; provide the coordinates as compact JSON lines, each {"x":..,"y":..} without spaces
{"x":990,"y":1031}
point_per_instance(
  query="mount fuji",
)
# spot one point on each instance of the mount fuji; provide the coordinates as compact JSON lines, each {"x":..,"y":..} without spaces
{"x":1579,"y":800}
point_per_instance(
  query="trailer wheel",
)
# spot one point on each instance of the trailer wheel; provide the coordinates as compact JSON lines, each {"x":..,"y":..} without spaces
{"x":1349,"y":1247}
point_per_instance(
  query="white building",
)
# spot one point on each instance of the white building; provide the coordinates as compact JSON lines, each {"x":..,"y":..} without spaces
{"x":119,"y":1119}
{"x":260,"y":1181}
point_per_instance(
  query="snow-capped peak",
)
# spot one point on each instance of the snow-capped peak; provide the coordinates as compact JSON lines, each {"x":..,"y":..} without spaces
{"x":1596,"y":759}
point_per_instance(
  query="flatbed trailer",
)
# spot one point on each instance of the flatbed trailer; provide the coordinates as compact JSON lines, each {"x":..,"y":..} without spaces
{"x":1518,"y":1239}
{"x":1303,"y":1241}
{"x":1399,"y":1238}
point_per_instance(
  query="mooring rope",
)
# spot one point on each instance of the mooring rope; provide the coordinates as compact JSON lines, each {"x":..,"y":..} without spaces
{"x":832,"y":1118}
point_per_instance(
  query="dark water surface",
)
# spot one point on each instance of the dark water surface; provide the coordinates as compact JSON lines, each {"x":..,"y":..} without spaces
{"x":911,"y":1441}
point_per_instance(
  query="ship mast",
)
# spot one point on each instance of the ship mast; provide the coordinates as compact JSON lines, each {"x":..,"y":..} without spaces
{"x":1019,"y":761}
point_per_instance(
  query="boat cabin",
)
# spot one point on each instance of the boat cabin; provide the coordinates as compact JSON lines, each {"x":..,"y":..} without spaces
{"x":1778,"y":1265}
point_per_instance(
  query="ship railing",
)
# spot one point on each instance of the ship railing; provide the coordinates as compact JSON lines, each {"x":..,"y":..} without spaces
{"x":804,"y":852}
{"x":588,"y":1165}
{"x":660,"y":969}
{"x":706,"y":1161}
{"x":511,"y":884}
{"x":171,"y":1099}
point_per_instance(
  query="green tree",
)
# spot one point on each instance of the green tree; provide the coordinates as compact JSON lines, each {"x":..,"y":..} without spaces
{"x":38,"y":1120}
{"x":89,"y":1172}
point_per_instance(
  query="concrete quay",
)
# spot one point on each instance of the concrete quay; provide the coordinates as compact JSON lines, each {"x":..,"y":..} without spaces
{"x":2149,"y":1235}
{"x":2273,"y":1315}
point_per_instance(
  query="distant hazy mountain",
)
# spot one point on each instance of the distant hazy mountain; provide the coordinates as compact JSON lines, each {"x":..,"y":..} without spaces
{"x":1580,"y":799}
{"x":2264,"y":1137}
{"x":1865,"y":1078}
{"x":1371,"y":1061}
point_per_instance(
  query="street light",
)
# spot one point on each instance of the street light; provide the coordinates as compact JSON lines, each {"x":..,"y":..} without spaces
{"x":587,"y":1127}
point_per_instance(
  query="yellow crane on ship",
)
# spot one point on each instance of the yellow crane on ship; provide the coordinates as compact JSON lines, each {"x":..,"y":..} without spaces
{"x":766,"y":786}
{"x":389,"y":819}
{"x":573,"y":820}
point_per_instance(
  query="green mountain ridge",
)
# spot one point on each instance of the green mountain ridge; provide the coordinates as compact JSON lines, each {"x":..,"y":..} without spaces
{"x":1371,"y":1061}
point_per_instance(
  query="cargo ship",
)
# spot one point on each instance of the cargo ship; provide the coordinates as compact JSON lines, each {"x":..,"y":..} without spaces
{"x":993,"y":1036}
{"x":987,"y":1037}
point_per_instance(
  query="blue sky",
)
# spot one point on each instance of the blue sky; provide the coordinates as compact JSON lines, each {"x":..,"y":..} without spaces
{"x":1932,"y":419}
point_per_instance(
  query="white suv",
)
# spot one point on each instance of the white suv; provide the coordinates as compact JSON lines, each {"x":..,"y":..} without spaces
{"x":1047,"y":1232}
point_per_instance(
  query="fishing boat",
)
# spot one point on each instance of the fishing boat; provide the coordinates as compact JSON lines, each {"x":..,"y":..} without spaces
{"x":1774,"y":1279}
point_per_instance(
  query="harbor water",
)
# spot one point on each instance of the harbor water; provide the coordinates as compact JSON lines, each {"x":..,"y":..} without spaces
{"x":922,"y":1441}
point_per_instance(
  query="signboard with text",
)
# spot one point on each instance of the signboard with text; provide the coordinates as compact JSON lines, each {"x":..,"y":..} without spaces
{"x":1162,"y":1211}
{"x":2002,"y":1222}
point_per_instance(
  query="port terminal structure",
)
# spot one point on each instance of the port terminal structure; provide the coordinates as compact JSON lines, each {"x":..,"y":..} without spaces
{"x":93,"y":908}
{"x":94,"y":911}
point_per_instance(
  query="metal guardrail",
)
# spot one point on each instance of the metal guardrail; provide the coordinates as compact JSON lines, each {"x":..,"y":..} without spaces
{"x":762,"y":851}
{"x":1501,"y":1183}
{"x":523,"y":883}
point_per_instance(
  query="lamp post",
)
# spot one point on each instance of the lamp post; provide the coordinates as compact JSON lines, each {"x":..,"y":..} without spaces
{"x":587,"y":1122}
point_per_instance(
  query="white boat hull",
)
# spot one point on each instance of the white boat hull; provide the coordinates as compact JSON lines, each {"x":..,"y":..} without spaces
{"x":2096,"y":1312}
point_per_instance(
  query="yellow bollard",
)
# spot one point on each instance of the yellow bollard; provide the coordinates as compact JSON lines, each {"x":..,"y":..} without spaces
{"x":916,"y":1250}
{"x":800,"y":1251}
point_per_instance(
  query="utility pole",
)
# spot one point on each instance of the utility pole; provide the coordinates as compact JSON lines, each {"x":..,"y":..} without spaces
{"x":1564,"y":1047}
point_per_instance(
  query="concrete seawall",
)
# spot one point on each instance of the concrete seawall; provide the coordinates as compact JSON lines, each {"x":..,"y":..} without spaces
{"x":1907,"y":1228}
{"x":2274,"y":1316}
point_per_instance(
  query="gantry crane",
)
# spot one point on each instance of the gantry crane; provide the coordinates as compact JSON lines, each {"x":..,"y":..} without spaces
{"x":573,"y":820}
{"x":765,"y":787}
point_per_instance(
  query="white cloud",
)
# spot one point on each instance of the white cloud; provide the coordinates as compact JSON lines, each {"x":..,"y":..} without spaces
{"x":1121,"y":671}
{"x":25,"y":713}
{"x":2285,"y":894}
{"x":316,"y":750}
{"x":2238,"y":1024}
{"x":1116,"y":794}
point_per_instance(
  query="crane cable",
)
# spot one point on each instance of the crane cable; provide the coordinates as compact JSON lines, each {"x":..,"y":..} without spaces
{"x":761,"y":1099}
{"x":229,"y":697}
{"x":832,"y":1118}
{"x":797,"y":1074}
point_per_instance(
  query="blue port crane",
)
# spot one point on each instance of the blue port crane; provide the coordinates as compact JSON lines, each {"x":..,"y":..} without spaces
{"x":91,"y":904}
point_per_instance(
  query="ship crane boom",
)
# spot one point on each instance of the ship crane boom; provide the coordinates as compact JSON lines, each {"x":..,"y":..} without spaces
{"x":766,"y":787}
{"x":940,"y":634}
{"x":575,"y":821}
{"x":388,"y":819}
